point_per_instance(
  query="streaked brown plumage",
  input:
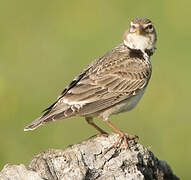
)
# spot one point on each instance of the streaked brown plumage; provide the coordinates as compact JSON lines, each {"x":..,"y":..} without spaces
{"x":111,"y":84}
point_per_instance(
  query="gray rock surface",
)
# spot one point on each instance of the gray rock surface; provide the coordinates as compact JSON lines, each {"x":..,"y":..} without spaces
{"x":93,"y":159}
{"x":18,"y":172}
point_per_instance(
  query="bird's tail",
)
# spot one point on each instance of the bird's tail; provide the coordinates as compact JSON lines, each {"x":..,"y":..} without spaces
{"x":50,"y":116}
{"x":36,"y":123}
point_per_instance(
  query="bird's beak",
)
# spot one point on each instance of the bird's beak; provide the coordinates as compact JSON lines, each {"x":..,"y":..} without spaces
{"x":139,"y":30}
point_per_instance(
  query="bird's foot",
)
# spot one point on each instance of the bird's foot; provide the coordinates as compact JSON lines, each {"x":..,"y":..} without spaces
{"x":124,"y":137}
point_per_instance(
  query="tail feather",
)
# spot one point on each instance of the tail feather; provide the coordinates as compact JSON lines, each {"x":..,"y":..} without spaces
{"x":36,"y":123}
{"x":51,"y":115}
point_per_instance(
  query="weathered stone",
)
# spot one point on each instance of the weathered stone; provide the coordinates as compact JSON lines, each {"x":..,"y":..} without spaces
{"x":96,"y":159}
{"x":18,"y":172}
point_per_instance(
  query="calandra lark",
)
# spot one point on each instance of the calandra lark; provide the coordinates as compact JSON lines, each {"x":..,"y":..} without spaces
{"x":111,"y":84}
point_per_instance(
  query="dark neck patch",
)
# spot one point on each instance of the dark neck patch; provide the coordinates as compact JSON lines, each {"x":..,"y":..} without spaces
{"x":149,"y":52}
{"x":136,"y":53}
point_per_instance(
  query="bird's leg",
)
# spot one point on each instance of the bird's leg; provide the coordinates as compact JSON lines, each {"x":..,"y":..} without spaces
{"x":122,"y":136}
{"x":90,"y":121}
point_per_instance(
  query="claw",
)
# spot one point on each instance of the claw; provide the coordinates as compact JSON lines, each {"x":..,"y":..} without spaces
{"x":124,"y":138}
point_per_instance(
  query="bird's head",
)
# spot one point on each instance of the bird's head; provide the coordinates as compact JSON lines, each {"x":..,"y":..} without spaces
{"x":141,"y":35}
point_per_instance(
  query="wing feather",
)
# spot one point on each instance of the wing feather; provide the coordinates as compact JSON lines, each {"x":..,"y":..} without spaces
{"x":105,"y":82}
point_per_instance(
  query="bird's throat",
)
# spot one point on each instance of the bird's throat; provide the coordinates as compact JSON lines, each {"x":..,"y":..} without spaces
{"x":140,"y":42}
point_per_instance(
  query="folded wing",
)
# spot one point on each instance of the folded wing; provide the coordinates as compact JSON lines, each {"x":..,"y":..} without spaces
{"x":101,"y":85}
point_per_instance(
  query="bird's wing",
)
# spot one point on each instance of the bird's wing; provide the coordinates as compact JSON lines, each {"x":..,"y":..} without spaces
{"x":113,"y":78}
{"x":107,"y":81}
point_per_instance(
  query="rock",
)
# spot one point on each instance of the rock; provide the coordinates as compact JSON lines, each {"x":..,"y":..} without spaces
{"x":18,"y":172}
{"x":93,"y":159}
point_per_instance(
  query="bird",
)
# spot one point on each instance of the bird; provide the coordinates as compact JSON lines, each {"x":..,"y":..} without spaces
{"x":111,"y":84}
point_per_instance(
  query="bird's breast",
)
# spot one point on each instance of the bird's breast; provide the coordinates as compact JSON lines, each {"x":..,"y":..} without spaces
{"x":128,"y":104}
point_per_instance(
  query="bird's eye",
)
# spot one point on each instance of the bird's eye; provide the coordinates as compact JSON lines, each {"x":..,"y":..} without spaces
{"x":150,"y":26}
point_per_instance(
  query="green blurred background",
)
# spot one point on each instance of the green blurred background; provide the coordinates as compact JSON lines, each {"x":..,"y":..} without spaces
{"x":45,"y":44}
